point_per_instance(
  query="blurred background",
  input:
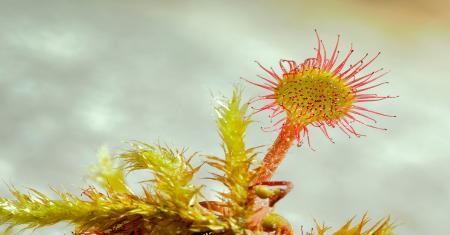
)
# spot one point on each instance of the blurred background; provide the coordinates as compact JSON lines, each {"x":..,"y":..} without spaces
{"x":76,"y":75}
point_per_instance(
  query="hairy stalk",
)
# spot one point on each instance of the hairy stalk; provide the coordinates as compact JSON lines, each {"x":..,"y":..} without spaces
{"x":271,"y":161}
{"x":276,"y":154}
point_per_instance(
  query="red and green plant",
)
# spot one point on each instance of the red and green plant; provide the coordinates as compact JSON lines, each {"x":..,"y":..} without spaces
{"x":320,"y":92}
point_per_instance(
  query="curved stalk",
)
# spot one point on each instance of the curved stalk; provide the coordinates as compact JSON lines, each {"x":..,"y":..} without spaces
{"x":275,"y":155}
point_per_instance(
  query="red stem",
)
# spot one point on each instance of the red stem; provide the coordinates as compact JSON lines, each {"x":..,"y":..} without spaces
{"x":271,"y":162}
{"x":275,"y":155}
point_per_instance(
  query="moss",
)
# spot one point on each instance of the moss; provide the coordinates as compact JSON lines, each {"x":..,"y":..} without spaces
{"x":170,"y":203}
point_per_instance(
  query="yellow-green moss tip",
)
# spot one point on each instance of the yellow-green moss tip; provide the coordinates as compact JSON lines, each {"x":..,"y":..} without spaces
{"x":108,"y":174}
{"x":381,"y":227}
{"x":232,"y":121}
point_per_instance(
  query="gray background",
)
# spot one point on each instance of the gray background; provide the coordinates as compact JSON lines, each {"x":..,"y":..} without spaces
{"x":76,"y":75}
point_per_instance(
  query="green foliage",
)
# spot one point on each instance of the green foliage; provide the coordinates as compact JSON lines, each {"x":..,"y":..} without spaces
{"x":170,"y":202}
{"x":107,"y":174}
{"x":172,"y":173}
{"x":171,"y":187}
{"x":232,"y":122}
{"x":169,"y":206}
{"x":36,"y":210}
{"x":381,"y":227}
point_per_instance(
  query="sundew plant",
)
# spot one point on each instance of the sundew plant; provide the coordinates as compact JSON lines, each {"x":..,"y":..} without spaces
{"x":324,"y":91}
